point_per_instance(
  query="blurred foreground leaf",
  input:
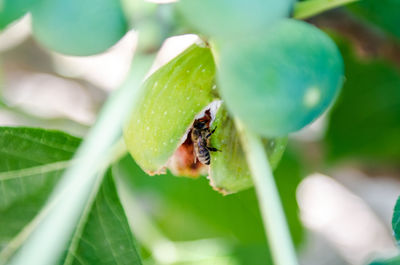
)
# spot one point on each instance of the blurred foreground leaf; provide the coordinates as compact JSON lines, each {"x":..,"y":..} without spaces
{"x":382,"y":13}
{"x":365,"y":121}
{"x":31,"y":163}
{"x":288,"y":175}
{"x":188,"y":209}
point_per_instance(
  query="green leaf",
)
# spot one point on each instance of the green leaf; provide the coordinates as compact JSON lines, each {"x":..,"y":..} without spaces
{"x":31,"y":163}
{"x":77,"y":27}
{"x":228,"y":168}
{"x":228,"y":19}
{"x":197,"y":212}
{"x":396,"y":221}
{"x":368,"y":130}
{"x":306,"y":9}
{"x":84,"y":175}
{"x":288,"y":175}
{"x":383,"y":13}
{"x":11,"y":10}
{"x":392,"y":261}
{"x":106,"y":237}
{"x":278,"y":81}
{"x":172,"y":97}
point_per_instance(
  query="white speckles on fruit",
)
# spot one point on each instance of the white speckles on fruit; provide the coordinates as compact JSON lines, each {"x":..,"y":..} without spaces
{"x":171,"y":98}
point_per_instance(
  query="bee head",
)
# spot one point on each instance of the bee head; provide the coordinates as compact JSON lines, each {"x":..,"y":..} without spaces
{"x":199,"y":124}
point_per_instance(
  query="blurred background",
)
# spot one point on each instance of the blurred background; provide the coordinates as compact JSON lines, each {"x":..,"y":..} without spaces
{"x":339,"y":178}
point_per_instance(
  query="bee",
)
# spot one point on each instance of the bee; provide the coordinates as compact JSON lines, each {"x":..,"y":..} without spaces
{"x":200,"y":135}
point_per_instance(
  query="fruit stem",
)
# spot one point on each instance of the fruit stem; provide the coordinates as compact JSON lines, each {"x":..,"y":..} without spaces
{"x":306,"y":9}
{"x":272,"y":213}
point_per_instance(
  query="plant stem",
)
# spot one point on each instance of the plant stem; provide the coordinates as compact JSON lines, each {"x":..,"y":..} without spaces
{"x":118,"y":151}
{"x":272,"y":213}
{"x":306,"y":9}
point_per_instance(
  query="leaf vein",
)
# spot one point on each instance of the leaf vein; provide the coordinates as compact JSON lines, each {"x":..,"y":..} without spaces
{"x":101,"y":221}
{"x":54,"y":145}
{"x":36,"y":170}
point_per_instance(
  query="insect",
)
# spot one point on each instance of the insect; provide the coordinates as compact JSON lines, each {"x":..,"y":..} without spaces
{"x":200,"y":137}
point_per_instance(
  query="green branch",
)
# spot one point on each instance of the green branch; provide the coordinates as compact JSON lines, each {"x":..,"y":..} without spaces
{"x":273,"y":216}
{"x":306,"y":9}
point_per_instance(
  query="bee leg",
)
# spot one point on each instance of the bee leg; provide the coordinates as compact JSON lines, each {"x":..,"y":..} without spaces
{"x":208,"y":135}
{"x":194,"y":157}
{"x":212,"y":149}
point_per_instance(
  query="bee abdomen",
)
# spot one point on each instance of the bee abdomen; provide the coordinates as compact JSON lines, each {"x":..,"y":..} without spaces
{"x":203,"y":155}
